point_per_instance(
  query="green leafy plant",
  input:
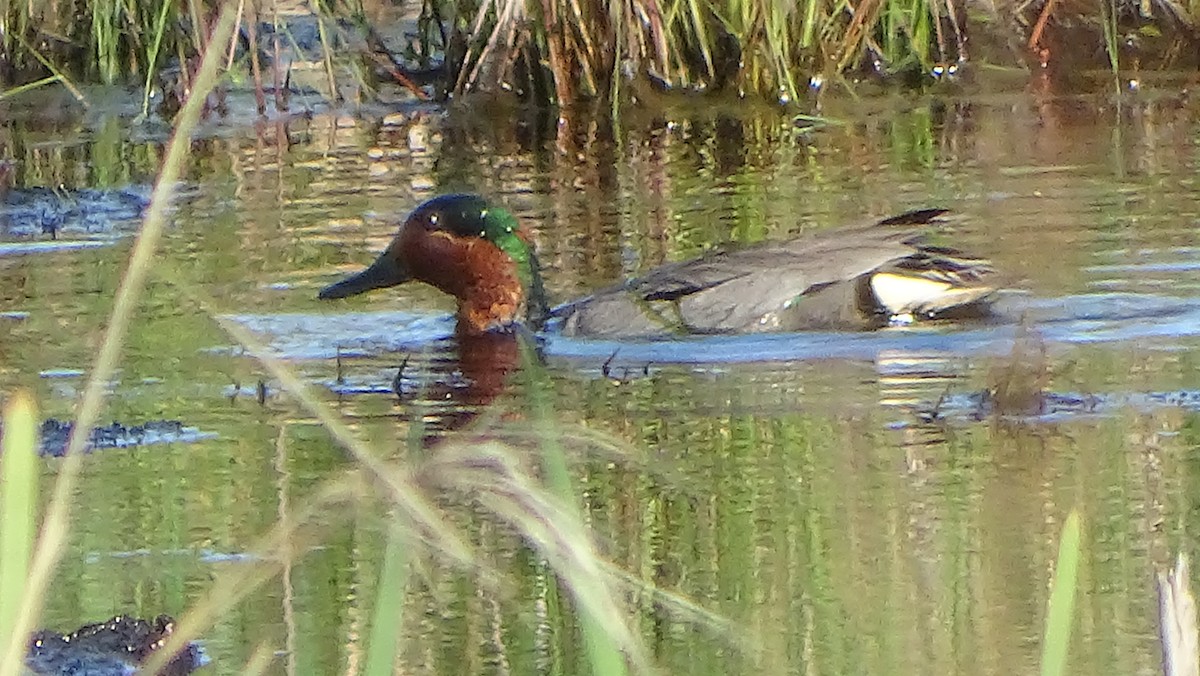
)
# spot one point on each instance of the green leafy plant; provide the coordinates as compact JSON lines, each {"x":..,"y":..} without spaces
{"x":1060,"y":616}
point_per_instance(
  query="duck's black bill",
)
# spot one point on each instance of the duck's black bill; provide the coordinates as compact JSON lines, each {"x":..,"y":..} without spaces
{"x":384,"y":272}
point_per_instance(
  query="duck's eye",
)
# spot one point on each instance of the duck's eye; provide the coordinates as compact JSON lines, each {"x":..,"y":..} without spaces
{"x":433,"y":220}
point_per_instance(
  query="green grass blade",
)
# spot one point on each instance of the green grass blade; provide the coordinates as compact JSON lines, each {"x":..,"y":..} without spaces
{"x":389,"y":606}
{"x":603,"y":653}
{"x":808,"y":29}
{"x":154,"y":55}
{"x":18,"y":504}
{"x":9,"y":93}
{"x":1112,"y":39}
{"x":1061,"y":614}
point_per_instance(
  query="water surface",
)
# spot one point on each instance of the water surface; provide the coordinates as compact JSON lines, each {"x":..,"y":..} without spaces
{"x":845,"y":500}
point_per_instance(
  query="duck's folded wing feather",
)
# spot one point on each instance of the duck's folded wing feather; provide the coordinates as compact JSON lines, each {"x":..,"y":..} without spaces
{"x":737,"y":290}
{"x":741,"y":289}
{"x":759,"y":284}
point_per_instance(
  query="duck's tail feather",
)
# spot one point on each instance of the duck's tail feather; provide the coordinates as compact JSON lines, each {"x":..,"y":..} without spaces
{"x":949,"y":265}
{"x":915,"y":217}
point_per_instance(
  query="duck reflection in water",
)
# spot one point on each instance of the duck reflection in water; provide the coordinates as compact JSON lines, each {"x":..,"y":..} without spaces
{"x":487,"y":362}
{"x":458,"y":379}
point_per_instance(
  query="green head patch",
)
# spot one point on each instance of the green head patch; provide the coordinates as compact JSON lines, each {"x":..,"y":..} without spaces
{"x":465,"y":215}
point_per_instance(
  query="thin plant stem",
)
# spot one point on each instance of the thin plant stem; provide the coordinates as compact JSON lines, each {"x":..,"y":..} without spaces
{"x":18,"y":506}
{"x":152,"y":60}
{"x":66,"y":82}
{"x":268,"y":560}
{"x":8,"y":93}
{"x":326,"y":52}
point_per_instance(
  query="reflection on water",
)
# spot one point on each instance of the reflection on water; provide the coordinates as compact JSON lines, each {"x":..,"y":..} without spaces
{"x":795,"y":484}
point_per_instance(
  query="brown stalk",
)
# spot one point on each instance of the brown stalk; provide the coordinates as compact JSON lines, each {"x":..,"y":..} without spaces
{"x":589,"y":46}
{"x":384,"y":57}
{"x":392,"y":69}
{"x":281,"y":93}
{"x":960,"y":38}
{"x":240,"y":18}
{"x":554,"y":43}
{"x":936,"y":10}
{"x":661,"y":50}
{"x":854,"y":32}
{"x":1035,"y":38}
{"x":509,"y":17}
{"x":260,"y":99}
{"x":626,"y":27}
{"x":466,"y":77}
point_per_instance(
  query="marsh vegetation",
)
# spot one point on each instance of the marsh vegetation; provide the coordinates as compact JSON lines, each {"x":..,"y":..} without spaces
{"x":571,"y":51}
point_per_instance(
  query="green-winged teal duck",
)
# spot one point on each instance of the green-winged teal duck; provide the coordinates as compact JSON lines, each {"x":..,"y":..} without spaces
{"x":857,"y":277}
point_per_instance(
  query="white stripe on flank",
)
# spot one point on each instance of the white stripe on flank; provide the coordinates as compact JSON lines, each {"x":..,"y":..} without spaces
{"x":901,"y":294}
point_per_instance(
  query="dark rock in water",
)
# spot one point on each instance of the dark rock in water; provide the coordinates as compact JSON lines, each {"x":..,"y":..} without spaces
{"x":113,"y":648}
{"x":55,"y":433}
{"x":47,"y":212}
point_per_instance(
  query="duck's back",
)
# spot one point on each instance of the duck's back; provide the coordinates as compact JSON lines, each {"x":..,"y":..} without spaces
{"x":819,"y":281}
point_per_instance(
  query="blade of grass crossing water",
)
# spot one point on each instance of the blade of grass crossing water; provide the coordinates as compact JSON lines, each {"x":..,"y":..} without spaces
{"x":260,"y":660}
{"x":389,"y":606}
{"x":18,"y":504}
{"x":1061,"y":615}
{"x":605,"y":658}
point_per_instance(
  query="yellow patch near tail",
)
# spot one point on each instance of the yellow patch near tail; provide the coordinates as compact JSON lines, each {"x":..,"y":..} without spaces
{"x":905,"y":294}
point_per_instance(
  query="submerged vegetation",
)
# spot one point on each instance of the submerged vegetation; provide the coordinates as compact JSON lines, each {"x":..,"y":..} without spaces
{"x":565,"y":51}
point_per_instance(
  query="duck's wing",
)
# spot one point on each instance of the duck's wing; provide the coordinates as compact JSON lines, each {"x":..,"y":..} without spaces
{"x":758,"y":284}
{"x":743,"y":289}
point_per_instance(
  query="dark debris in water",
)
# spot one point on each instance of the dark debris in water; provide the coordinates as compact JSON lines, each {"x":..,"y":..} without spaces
{"x":55,"y":433}
{"x":113,"y":648}
{"x":1050,"y":407}
{"x":50,"y":213}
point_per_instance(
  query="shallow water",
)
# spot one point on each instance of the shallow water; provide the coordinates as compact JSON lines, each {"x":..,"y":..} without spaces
{"x":845,"y":500}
